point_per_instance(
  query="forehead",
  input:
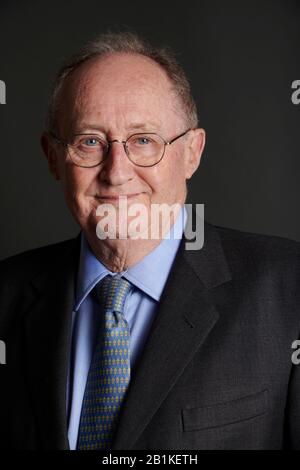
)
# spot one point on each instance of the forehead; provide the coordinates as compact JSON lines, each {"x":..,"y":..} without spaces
{"x":132,"y":87}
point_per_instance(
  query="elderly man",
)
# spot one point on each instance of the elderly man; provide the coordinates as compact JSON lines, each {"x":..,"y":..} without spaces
{"x":134,"y":342}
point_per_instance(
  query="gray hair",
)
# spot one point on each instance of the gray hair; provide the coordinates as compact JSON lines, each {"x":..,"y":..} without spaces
{"x":130,"y":43}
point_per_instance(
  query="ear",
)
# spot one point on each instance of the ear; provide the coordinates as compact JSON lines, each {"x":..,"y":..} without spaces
{"x":51,"y":154}
{"x":196,"y":144}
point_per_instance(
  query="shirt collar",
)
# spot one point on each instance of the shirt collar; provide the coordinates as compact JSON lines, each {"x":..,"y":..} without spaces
{"x":149,"y":275}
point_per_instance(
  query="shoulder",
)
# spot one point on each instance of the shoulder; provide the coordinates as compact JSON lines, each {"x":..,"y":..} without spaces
{"x":263,"y":253}
{"x":18,"y":274}
{"x":258,"y":244}
{"x":29,"y":263}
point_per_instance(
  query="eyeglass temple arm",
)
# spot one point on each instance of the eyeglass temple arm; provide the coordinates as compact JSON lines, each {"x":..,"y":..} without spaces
{"x":178,"y":137}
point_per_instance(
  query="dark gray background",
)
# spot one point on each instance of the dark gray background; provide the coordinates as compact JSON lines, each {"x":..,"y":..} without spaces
{"x":241,"y":58}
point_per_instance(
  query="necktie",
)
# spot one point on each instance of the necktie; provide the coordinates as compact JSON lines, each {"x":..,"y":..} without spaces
{"x":109,"y":373}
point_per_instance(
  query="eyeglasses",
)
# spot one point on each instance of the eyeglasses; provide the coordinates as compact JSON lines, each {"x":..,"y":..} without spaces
{"x":142,"y":149}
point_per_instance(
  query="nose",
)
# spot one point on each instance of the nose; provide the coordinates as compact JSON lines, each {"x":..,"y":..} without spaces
{"x":117,"y":169}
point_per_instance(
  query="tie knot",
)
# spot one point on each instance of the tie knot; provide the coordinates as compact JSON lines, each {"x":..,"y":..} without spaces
{"x":112,"y":293}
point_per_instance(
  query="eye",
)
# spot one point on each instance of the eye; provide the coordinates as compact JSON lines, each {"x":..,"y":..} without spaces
{"x":90,"y":142}
{"x":142,"y":140}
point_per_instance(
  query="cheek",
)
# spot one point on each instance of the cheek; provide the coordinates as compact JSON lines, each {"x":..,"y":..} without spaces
{"x":79,"y":196}
{"x":167,"y":183}
{"x":77,"y":182}
{"x":171,"y":174}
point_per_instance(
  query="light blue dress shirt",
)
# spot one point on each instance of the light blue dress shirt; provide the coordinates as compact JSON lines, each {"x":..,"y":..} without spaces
{"x":147,"y":278}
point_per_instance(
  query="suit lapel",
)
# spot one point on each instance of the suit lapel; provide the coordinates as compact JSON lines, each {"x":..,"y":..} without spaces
{"x":47,"y":330}
{"x":186,"y":314}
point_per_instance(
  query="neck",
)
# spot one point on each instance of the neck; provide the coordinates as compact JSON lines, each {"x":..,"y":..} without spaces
{"x":119,"y":254}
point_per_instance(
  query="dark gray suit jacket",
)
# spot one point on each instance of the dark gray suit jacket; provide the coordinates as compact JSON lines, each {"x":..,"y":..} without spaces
{"x":216,"y":370}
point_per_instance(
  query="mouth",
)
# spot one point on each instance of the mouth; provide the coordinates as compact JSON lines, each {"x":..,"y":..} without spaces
{"x":116,"y":197}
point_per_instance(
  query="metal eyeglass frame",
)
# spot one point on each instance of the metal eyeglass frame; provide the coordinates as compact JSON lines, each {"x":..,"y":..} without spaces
{"x":124,"y":143}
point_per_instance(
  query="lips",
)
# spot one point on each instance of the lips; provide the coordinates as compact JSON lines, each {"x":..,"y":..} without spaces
{"x":116,"y":197}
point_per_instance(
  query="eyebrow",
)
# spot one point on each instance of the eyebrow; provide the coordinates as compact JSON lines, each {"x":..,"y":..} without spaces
{"x":141,"y":125}
{"x":84,"y":127}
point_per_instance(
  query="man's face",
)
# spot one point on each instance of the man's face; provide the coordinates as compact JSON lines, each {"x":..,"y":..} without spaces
{"x":115,"y":97}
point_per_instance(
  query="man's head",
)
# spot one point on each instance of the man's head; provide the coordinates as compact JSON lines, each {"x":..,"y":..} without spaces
{"x":118,"y":87}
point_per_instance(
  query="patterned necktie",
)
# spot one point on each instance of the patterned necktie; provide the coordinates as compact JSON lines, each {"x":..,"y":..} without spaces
{"x":109,"y":373}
